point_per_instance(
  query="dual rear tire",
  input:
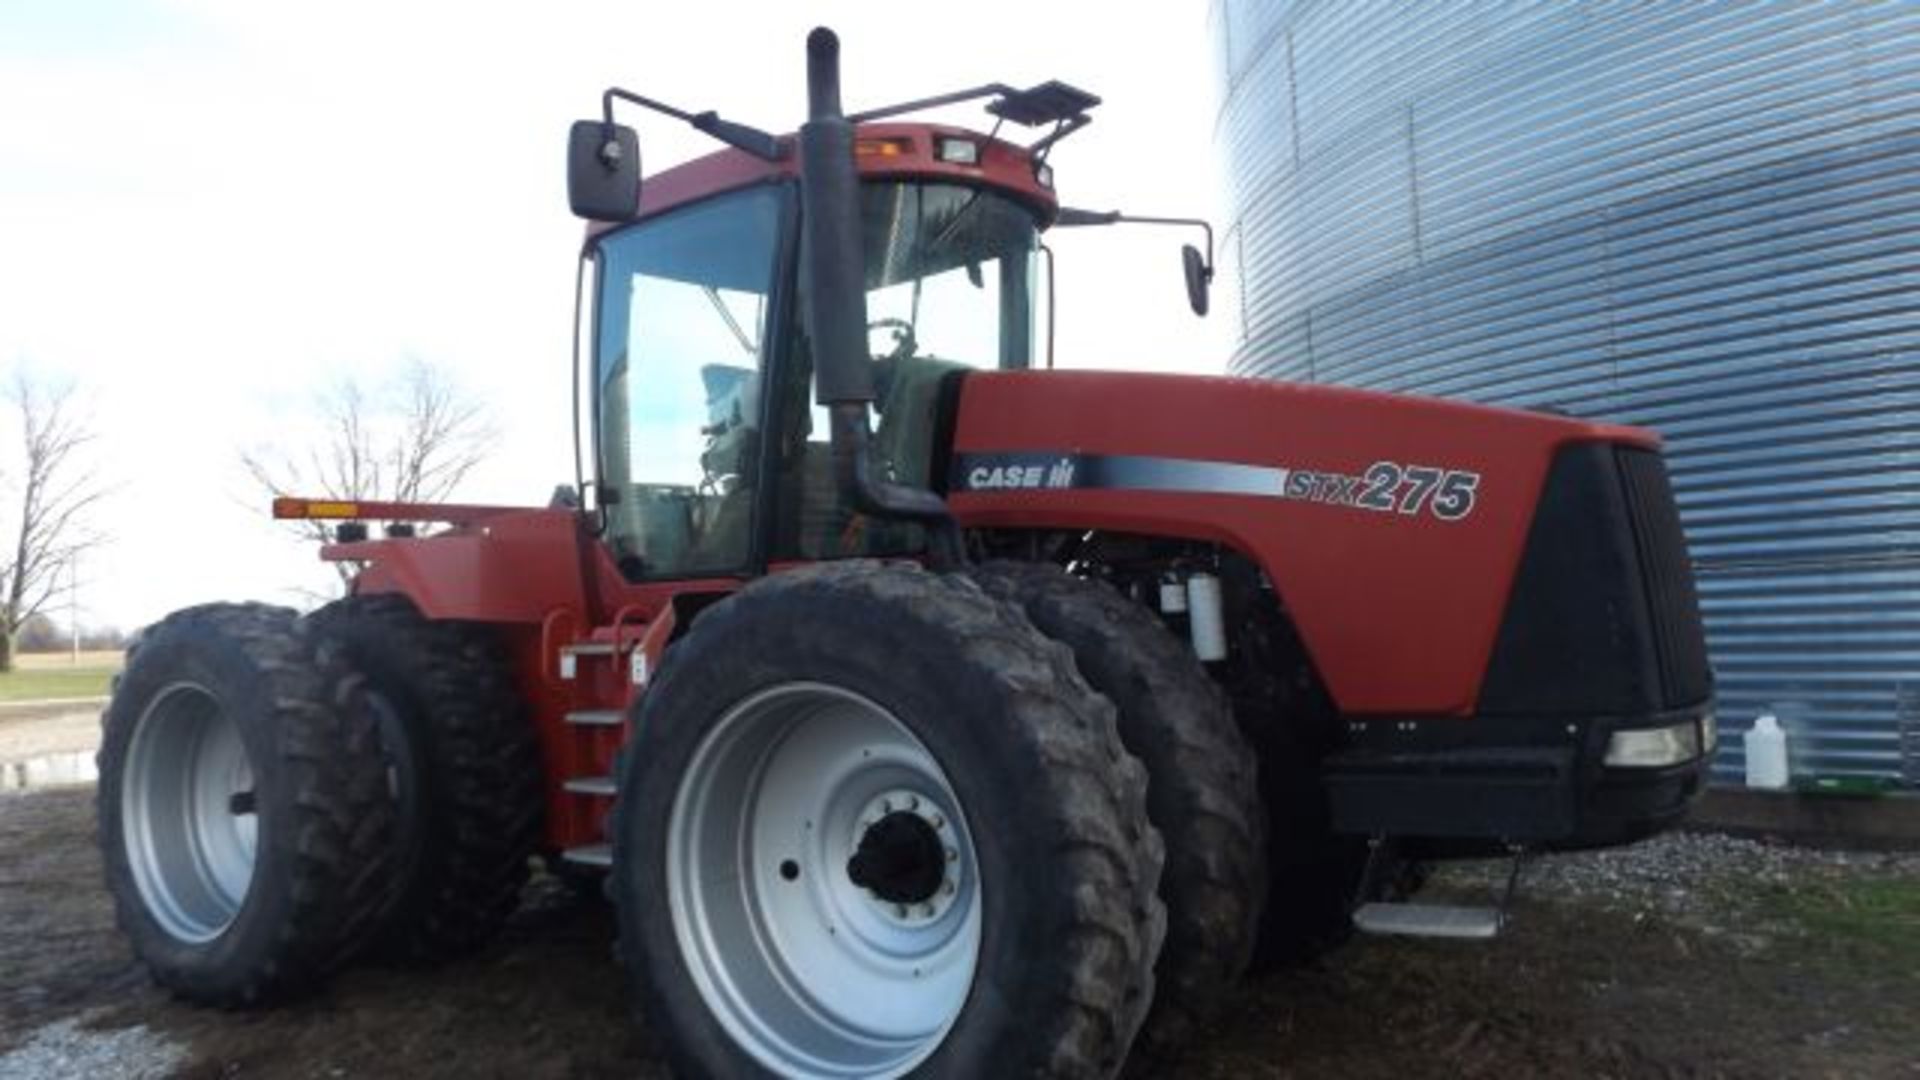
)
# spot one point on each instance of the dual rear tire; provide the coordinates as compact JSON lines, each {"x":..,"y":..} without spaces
{"x":465,"y":770}
{"x":245,"y":816}
{"x":279,"y":795}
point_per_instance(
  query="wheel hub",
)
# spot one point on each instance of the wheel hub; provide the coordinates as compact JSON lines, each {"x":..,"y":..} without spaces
{"x":898,"y":860}
{"x":905,"y":856}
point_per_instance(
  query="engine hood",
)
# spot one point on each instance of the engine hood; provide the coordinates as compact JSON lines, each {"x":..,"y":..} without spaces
{"x":1390,"y":526}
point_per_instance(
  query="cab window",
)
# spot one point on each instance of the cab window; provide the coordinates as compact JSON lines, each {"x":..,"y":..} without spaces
{"x":681,"y":350}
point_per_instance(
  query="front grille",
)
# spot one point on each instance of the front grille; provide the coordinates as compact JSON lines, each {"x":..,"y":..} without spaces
{"x":1667,"y":576}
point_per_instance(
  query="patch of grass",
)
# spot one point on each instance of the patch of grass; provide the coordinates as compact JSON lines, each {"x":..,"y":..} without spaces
{"x":62,"y":660}
{"x":48,"y":683}
{"x":1862,"y":916}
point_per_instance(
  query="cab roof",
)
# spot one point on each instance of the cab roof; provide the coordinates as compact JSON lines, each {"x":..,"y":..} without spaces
{"x":882,"y":151}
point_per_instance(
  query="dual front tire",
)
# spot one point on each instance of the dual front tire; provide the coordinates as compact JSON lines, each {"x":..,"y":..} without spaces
{"x":1202,"y":796}
{"x":895,"y":831}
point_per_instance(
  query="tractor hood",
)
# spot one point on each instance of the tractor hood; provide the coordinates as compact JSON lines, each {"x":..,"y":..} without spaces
{"x":1354,"y":503}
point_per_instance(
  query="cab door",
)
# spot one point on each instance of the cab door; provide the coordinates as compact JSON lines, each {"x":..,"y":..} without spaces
{"x":686,"y":303}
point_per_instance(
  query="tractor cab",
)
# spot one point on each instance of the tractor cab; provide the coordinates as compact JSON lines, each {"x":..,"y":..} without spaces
{"x":711,"y":446}
{"x":711,"y":450}
{"x":723,"y":340}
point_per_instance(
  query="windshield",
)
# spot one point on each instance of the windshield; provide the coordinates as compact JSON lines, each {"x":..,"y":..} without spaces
{"x":949,"y":274}
{"x":950,"y":287}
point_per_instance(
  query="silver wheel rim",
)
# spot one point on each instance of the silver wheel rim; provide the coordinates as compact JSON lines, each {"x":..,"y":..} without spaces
{"x":810,"y":973}
{"x":187,"y":813}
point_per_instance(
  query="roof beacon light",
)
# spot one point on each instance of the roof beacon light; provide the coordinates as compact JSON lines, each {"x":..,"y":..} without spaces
{"x":957,"y":151}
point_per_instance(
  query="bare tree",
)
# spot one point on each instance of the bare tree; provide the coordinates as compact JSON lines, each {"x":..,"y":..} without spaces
{"x":443,"y":435}
{"x":57,"y":495}
{"x":414,"y":440}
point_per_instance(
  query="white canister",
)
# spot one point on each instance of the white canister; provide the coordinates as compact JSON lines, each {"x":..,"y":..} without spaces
{"x":1766,"y":745}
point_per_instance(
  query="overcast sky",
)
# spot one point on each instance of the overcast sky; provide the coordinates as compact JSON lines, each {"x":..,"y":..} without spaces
{"x":211,"y":209}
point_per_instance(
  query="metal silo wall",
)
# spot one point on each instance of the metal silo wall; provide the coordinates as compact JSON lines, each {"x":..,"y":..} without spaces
{"x":1702,"y":218}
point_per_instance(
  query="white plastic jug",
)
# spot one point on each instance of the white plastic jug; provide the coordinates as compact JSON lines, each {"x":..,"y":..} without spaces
{"x":1766,"y":753}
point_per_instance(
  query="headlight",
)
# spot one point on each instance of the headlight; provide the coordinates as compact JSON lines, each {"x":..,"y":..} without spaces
{"x":957,"y":151}
{"x":1709,"y":734}
{"x":1651,"y":748}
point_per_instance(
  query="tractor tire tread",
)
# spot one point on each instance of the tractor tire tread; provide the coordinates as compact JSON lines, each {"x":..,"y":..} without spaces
{"x":483,"y":801}
{"x":342,"y":822}
{"x":1100,"y":988}
{"x":1203,"y":793}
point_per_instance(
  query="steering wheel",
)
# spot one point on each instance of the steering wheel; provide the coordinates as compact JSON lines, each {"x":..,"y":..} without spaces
{"x":903,"y":340}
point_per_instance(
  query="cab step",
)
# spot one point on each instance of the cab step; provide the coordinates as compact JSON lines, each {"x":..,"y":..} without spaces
{"x":1429,"y":920}
{"x":598,"y":856}
{"x":570,"y":655}
{"x":1407,"y":919}
{"x":597,"y":717}
{"x":592,"y":785}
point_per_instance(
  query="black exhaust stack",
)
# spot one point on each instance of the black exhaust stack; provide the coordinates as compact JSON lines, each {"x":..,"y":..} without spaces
{"x":836,"y":315}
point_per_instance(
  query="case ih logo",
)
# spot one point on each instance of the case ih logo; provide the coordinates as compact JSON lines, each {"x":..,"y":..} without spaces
{"x":1386,"y":487}
{"x":1058,"y":474}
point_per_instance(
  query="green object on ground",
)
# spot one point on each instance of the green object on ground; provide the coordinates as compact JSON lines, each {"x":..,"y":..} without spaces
{"x":1851,"y":787}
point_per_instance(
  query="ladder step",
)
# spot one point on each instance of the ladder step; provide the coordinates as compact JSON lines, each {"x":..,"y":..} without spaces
{"x":591,"y":785}
{"x":595,"y":855}
{"x":597,"y":717}
{"x":588,"y":648}
{"x":1428,"y":920}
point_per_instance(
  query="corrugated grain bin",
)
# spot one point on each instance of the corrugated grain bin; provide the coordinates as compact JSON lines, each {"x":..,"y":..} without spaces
{"x":1701,"y":218}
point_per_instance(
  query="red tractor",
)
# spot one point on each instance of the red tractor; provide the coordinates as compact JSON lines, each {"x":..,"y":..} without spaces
{"x":925,"y":711}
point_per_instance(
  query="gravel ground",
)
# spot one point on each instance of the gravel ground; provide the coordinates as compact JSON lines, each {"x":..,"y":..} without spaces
{"x":1703,"y":879}
{"x":1685,"y":956}
{"x":76,"y":1047}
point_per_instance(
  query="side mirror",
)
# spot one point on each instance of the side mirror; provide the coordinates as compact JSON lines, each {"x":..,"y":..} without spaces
{"x":603,"y":171}
{"x":1199,"y":276}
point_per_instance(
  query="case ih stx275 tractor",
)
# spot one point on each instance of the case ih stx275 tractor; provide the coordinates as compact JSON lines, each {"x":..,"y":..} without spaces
{"x":926,"y":713}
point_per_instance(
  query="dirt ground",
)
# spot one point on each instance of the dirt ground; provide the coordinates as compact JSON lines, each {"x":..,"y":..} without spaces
{"x":1694,"y":957}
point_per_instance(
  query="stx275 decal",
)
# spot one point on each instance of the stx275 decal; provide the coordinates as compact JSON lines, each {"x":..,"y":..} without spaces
{"x":1387,"y":487}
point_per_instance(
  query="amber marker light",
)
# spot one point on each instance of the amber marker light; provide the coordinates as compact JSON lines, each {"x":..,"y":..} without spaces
{"x":285,"y":508}
{"x":882,"y":147}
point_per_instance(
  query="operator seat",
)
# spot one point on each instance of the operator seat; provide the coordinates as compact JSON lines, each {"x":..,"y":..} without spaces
{"x":730,"y":463}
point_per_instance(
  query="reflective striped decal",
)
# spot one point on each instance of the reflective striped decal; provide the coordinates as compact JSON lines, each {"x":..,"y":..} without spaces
{"x":1385,"y":486}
